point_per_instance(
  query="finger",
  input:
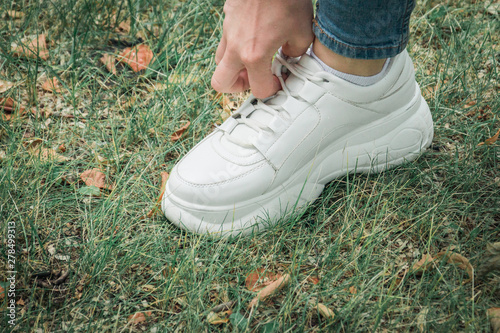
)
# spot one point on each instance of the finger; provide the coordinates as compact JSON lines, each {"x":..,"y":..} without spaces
{"x":241,"y":83}
{"x":219,"y":53}
{"x":227,"y":75}
{"x":262,"y":81}
{"x":299,"y":45}
{"x":295,"y":50}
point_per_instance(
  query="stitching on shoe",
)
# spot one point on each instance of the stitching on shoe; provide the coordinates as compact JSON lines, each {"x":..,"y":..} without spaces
{"x":219,"y":183}
{"x":223,"y":156}
{"x":304,"y":138}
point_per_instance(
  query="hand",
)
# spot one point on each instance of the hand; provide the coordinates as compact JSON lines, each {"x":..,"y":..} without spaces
{"x":253,"y":30}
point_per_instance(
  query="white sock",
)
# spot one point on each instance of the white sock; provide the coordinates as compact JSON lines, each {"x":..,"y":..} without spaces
{"x":363,"y":81}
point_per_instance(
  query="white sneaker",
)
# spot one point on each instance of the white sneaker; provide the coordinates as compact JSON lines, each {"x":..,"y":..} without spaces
{"x":275,"y":155}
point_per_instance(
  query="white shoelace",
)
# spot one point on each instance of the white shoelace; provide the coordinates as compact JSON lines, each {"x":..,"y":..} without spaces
{"x":302,"y":73}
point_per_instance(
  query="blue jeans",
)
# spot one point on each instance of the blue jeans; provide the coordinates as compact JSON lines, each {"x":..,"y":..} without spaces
{"x":363,"y":29}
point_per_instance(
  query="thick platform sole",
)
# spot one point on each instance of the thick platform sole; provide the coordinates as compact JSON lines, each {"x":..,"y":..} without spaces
{"x":357,"y":153}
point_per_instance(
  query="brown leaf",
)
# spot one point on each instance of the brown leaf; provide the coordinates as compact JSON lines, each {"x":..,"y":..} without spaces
{"x":423,"y":264}
{"x":15,"y":14}
{"x":353,"y":290}
{"x":223,"y":99}
{"x":491,"y":140}
{"x":61,"y":148}
{"x":455,"y":258}
{"x":95,"y":177}
{"x":48,"y":154}
{"x":270,"y":290}
{"x":36,"y":149}
{"x":324,"y":311}
{"x":429,"y":92}
{"x":109,"y":61}
{"x":313,"y":279}
{"x":9,"y":106}
{"x":20,"y":302}
{"x":5,"y":85}
{"x":223,"y":307}
{"x":259,"y":279}
{"x":36,"y":48}
{"x":219,"y":317}
{"x":137,"y":57}
{"x":52,"y":85}
{"x":2,"y":292}
{"x":123,"y":27}
{"x":421,"y":317}
{"x":164,"y":178}
{"x":178,"y":133}
{"x":32,"y":144}
{"x":138,"y":317}
{"x":469,"y":103}
{"x":490,"y":260}
{"x":494,"y":315}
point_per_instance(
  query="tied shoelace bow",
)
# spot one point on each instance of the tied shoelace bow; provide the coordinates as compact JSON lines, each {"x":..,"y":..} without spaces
{"x":274,"y":110}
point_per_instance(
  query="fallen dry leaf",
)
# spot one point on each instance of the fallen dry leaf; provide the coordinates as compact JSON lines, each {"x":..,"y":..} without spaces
{"x":353,"y":290}
{"x":492,"y":7}
{"x":95,"y":177}
{"x":183,"y":79}
{"x":429,"y":92}
{"x":109,"y":61}
{"x":20,"y":302}
{"x":36,"y":48}
{"x":164,"y":178}
{"x":137,"y":57}
{"x":33,"y":143}
{"x":48,"y":154}
{"x":138,"y":317}
{"x":455,"y":258}
{"x":15,"y":14}
{"x":222,"y":99}
{"x":2,"y":292}
{"x":219,"y":317}
{"x":5,"y":85}
{"x":178,"y":133}
{"x":36,"y":149}
{"x":9,"y":106}
{"x":259,"y":279}
{"x":423,"y":264}
{"x":270,"y":290}
{"x":52,"y":85}
{"x":421,"y":317}
{"x":494,"y":315}
{"x":324,"y":311}
{"x":123,"y":27}
{"x":451,"y":257}
{"x":491,"y":140}
{"x":313,"y":279}
{"x":490,"y":261}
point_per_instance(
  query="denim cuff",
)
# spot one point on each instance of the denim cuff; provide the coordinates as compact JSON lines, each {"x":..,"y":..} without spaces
{"x":362,"y":29}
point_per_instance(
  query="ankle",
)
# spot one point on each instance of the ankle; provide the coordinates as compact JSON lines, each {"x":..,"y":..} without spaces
{"x":360,"y":67}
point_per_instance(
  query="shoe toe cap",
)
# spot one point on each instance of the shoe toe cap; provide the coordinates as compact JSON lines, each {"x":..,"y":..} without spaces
{"x":204,"y":178}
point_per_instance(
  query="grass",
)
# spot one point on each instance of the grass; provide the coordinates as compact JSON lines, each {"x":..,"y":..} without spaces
{"x":360,"y":238}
